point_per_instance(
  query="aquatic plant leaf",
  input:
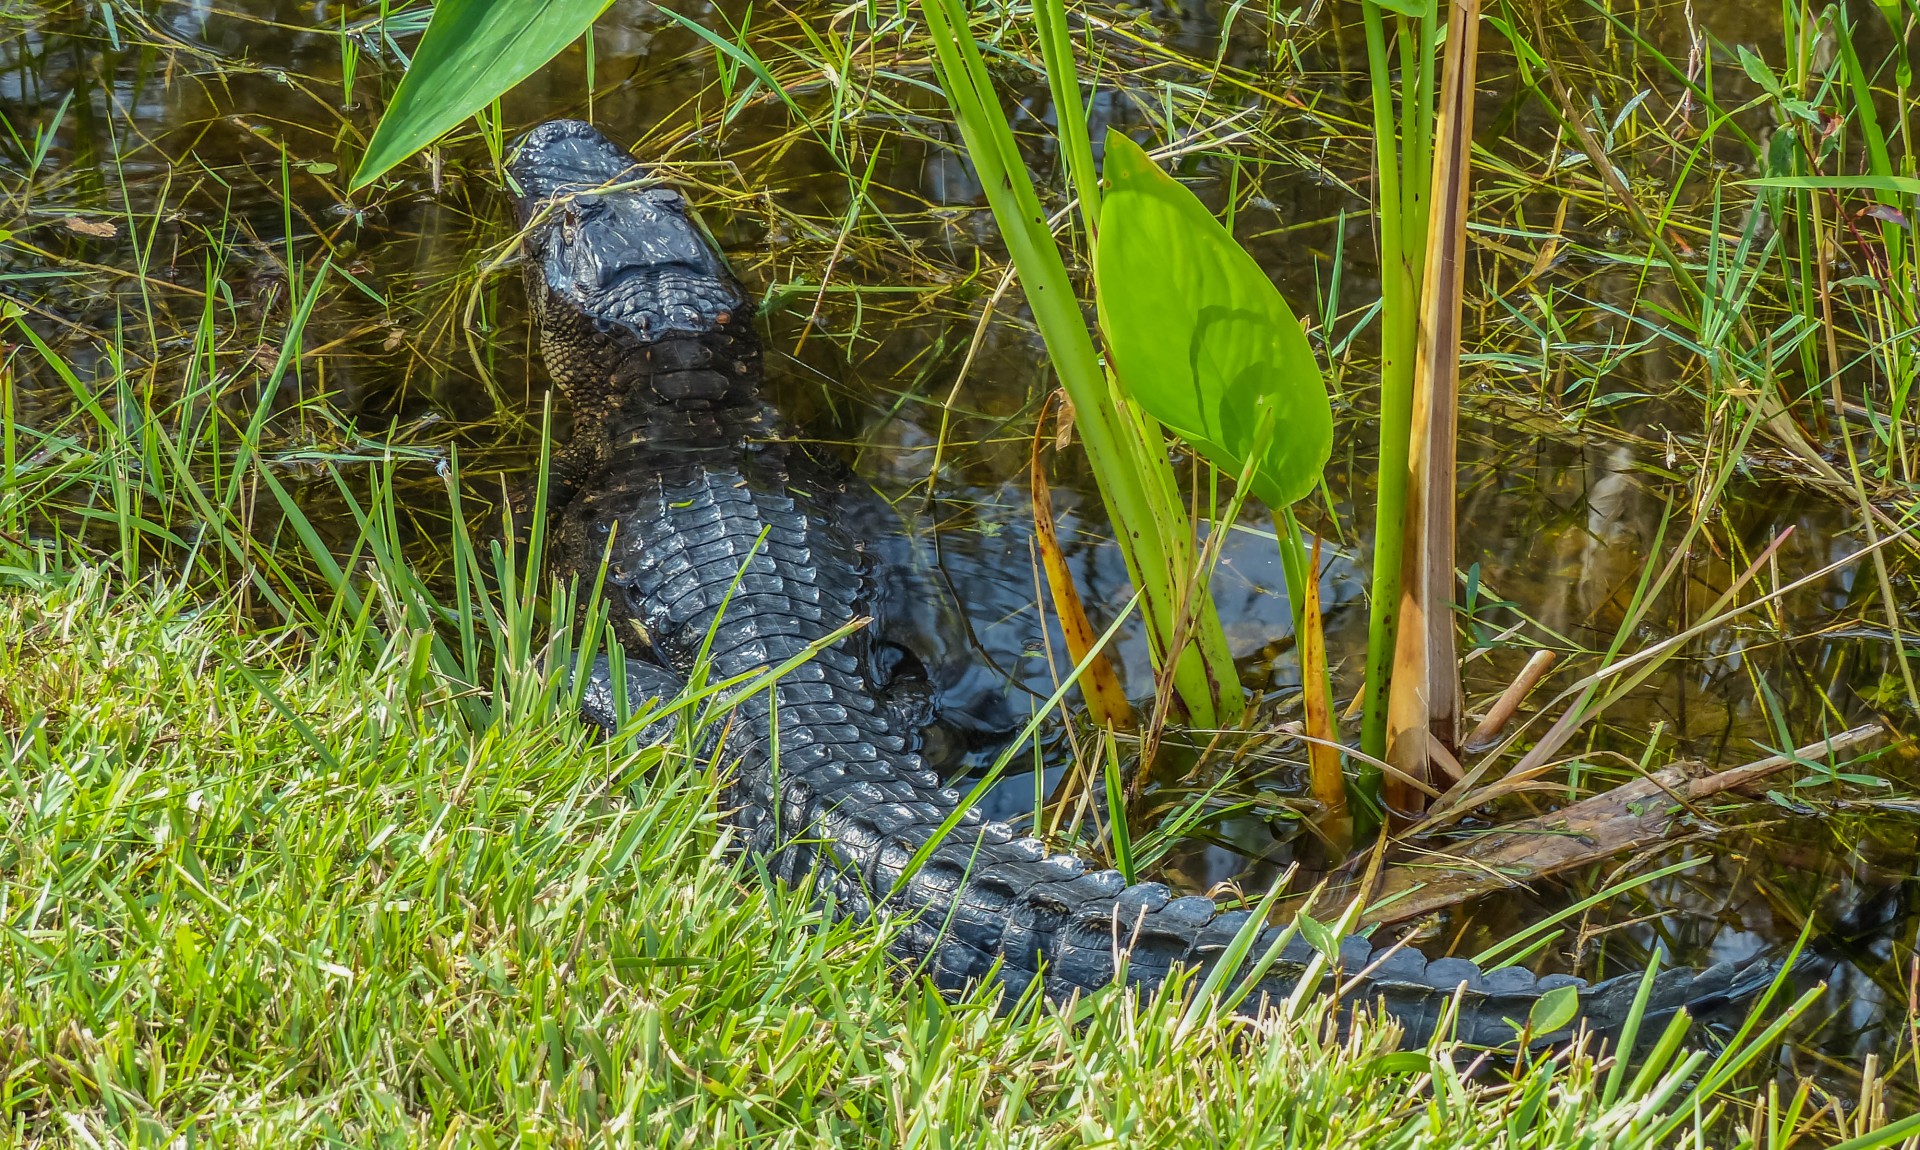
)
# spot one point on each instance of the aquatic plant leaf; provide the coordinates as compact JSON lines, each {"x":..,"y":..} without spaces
{"x":1317,"y":934}
{"x":472,"y":52}
{"x":1198,"y":334}
{"x":1757,"y":70}
{"x":1553,"y":1010}
{"x":1127,"y":457}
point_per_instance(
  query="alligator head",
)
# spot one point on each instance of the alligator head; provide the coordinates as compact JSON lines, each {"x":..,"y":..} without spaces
{"x":625,"y":285}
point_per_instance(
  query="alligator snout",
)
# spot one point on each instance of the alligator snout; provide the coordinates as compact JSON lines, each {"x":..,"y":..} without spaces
{"x":562,"y":156}
{"x":624,"y":259}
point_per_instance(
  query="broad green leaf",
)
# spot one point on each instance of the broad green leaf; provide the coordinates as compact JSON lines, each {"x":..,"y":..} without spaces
{"x":1757,"y":70}
{"x":1553,"y":1010}
{"x":471,"y":53}
{"x":1899,"y":185}
{"x":1198,"y":334}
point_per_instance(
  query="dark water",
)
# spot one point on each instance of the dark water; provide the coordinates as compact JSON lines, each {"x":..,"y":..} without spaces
{"x":216,"y":140}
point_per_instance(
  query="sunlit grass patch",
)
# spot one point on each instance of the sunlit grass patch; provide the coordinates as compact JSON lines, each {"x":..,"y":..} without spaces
{"x":252,"y":893}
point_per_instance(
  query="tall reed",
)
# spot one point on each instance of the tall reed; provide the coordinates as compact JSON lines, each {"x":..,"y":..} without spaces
{"x":1403,"y":125}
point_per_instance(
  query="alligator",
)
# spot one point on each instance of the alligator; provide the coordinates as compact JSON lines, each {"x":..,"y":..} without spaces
{"x":723,"y":538}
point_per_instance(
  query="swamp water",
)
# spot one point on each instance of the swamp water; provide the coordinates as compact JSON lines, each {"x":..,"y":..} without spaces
{"x":165,"y":153}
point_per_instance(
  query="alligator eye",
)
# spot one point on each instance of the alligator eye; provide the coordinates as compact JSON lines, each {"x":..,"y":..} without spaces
{"x":569,"y":222}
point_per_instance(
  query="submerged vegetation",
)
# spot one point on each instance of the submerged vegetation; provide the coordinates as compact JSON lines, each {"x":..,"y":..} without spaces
{"x":307,"y":848}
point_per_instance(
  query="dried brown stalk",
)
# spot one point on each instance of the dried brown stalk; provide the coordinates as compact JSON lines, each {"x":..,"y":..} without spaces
{"x":1100,"y":686}
{"x":1424,"y":697}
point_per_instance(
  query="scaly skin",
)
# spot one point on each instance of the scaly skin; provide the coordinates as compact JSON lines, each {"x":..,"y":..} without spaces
{"x":677,"y":458}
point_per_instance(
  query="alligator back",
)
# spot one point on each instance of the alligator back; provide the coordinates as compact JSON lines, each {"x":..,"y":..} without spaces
{"x":719,"y":530}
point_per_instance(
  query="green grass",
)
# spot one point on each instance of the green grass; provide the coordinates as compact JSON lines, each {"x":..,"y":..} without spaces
{"x":254,"y":891}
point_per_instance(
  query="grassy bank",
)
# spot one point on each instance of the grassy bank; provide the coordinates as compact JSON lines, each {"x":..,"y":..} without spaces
{"x":261,"y":889}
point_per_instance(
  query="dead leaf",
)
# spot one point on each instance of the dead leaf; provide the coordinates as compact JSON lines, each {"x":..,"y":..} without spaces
{"x":104,"y":229}
{"x":1325,"y":781}
{"x":1631,"y":816}
{"x":1100,"y":686}
{"x":1423,"y":696}
{"x":1884,"y":214}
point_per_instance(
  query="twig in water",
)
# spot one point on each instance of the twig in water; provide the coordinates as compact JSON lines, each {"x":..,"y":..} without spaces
{"x":1623,"y":819}
{"x":1487,"y":735}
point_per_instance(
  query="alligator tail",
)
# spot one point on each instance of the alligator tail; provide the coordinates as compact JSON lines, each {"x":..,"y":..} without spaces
{"x":984,"y":904}
{"x":1070,"y":926}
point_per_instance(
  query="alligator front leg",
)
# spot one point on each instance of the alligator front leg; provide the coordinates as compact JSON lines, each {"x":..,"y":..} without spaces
{"x":648,"y":684}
